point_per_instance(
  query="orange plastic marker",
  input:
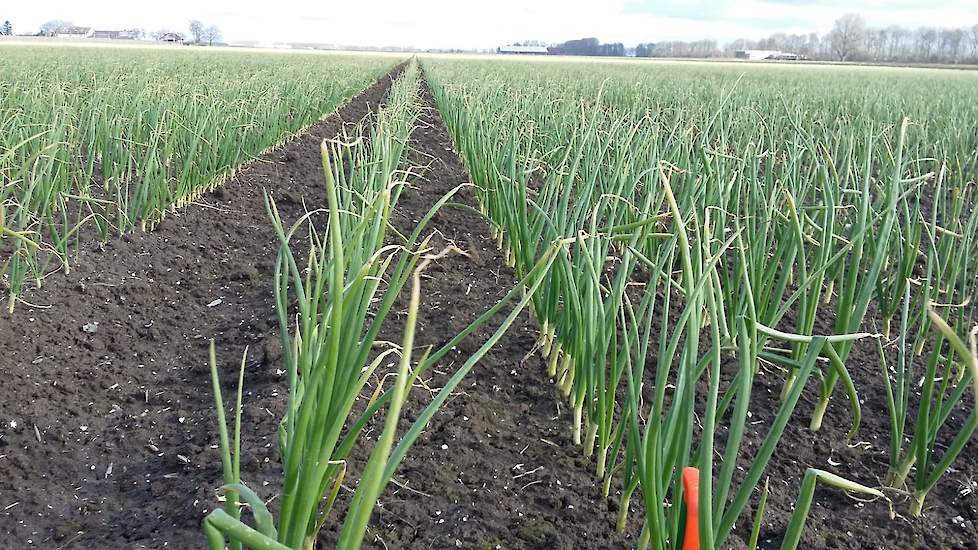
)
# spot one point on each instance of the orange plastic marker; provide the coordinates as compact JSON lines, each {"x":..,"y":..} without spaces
{"x":691,"y":496}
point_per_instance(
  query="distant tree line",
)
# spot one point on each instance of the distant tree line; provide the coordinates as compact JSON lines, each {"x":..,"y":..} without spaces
{"x":852,"y":40}
{"x":588,"y":46}
{"x":200,"y":32}
{"x":204,"y":34}
{"x":678,"y":48}
{"x":55,"y":26}
{"x":849,"y":40}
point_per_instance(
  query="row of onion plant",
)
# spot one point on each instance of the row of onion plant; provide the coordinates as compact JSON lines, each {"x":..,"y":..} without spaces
{"x":344,"y":293}
{"x":111,"y":139}
{"x":738,"y":217}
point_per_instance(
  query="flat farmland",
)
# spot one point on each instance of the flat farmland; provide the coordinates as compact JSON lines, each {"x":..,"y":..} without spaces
{"x":269,"y":300}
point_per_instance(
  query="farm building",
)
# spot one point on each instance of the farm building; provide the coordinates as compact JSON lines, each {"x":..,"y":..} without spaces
{"x":132,"y":34}
{"x":523,"y":50}
{"x":171,"y":37}
{"x":754,"y":55}
{"x":74,"y":32}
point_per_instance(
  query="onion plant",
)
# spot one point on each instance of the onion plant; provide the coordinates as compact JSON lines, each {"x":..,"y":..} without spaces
{"x":112,"y":139}
{"x":949,"y":375}
{"x":344,"y":295}
{"x":792,"y":536}
{"x":705,"y":229}
{"x":858,"y":277}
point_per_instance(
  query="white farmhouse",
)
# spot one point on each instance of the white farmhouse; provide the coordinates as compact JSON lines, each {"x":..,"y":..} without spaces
{"x":74,"y":32}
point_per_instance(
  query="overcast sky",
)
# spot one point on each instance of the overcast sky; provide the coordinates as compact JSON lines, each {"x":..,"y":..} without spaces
{"x":487,"y":24}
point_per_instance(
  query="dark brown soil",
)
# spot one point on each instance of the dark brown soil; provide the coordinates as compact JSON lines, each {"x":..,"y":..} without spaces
{"x":107,"y":430}
{"x":107,"y":438}
{"x":950,"y":517}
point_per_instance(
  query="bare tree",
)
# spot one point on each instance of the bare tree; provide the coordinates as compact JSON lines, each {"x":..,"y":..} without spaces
{"x":973,"y":37}
{"x":798,"y":43}
{"x":777,"y":41}
{"x":211,"y":34}
{"x":678,"y":48}
{"x":197,"y":31}
{"x":951,"y":42}
{"x":926,"y":41}
{"x":740,"y":44}
{"x":7,"y":29}
{"x":897,"y":46}
{"x":876,"y":41}
{"x":847,"y":36}
{"x":53,"y":26}
{"x":812,"y":44}
{"x":851,"y":40}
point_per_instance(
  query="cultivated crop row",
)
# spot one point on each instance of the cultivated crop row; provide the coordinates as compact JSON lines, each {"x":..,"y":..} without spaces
{"x":112,"y":139}
{"x":717,"y":224}
{"x":681,"y":233}
{"x":343,"y":294}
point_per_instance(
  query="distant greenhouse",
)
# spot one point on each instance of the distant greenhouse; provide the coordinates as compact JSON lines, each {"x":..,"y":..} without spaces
{"x":771,"y":55}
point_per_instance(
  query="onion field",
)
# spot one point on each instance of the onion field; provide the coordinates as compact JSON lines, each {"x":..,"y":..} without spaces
{"x":115,"y":139}
{"x":486,"y":303}
{"x":718,"y":221}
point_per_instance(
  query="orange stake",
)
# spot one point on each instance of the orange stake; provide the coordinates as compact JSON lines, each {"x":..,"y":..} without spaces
{"x":691,"y":496}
